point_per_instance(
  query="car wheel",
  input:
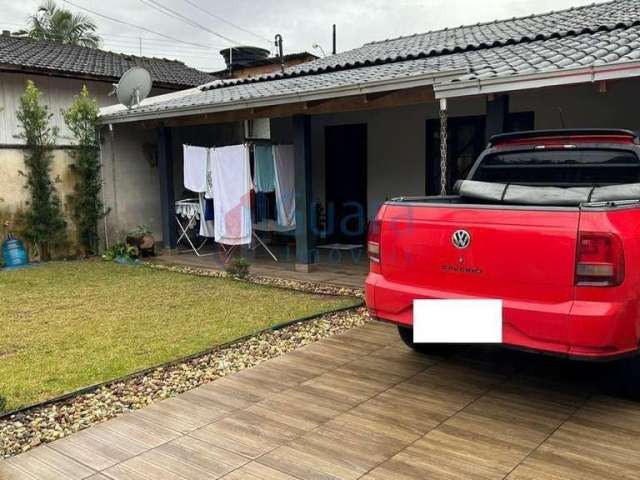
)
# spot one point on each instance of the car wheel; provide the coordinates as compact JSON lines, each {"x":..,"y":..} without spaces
{"x":442,"y":349}
{"x":629,"y":376}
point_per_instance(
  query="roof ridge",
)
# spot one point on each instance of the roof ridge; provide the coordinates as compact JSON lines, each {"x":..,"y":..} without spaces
{"x":492,"y":22}
{"x":427,"y":54}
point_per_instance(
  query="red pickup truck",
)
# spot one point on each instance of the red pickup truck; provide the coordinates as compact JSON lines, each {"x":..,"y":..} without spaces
{"x":541,"y":223}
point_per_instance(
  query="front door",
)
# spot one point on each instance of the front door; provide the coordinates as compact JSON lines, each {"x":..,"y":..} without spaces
{"x":346,"y":183}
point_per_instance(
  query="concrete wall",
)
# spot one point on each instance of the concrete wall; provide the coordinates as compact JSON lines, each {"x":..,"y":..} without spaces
{"x":58,"y":95}
{"x":131,"y":181}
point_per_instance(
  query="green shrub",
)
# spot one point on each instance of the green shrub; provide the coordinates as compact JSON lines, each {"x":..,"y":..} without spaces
{"x":86,"y":206}
{"x":120,"y":252}
{"x":45,"y":226}
{"x":3,"y":403}
{"x":238,"y":267}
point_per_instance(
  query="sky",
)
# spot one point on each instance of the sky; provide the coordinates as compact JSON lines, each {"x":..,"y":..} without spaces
{"x":198,"y":29}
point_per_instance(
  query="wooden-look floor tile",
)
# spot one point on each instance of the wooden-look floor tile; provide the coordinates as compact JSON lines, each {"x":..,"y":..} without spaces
{"x":236,"y":393}
{"x":251,"y":432}
{"x":383,"y":369}
{"x":131,"y":429}
{"x":331,"y":354}
{"x":351,"y":344}
{"x":597,"y":442}
{"x":373,"y":333}
{"x":257,"y":471}
{"x":43,"y":463}
{"x":98,"y":447}
{"x":275,"y":377}
{"x":312,"y":464}
{"x":184,"y":458}
{"x":179,"y":414}
{"x":302,"y":365}
{"x":348,"y":389}
{"x":485,"y":440}
{"x":305,"y":405}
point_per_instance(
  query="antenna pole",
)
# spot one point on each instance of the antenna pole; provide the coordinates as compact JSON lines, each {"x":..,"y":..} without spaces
{"x":279,"y":45}
{"x":140,"y":38}
{"x":333,"y":51}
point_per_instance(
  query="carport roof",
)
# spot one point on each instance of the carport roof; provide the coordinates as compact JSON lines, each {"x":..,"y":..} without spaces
{"x":588,"y":37}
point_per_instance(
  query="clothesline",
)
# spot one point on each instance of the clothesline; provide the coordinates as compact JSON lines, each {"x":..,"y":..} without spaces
{"x":224,"y":174}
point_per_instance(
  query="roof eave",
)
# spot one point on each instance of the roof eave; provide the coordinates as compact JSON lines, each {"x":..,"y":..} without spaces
{"x":328,"y":93}
{"x":561,"y":77}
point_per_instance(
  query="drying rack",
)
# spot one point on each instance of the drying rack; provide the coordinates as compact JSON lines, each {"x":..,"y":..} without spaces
{"x":187,"y":213}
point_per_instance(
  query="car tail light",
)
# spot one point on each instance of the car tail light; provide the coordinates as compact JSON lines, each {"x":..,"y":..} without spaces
{"x":373,"y":243}
{"x":600,"y":260}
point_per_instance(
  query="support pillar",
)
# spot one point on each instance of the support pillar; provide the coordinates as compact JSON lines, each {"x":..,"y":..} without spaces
{"x":167,"y":194}
{"x":305,"y":258}
{"x":497,"y":111}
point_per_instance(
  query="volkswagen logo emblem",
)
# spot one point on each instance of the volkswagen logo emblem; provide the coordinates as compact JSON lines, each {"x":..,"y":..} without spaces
{"x":461,"y":239}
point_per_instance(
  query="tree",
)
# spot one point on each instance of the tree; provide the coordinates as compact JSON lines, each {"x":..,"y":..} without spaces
{"x":44,"y":223}
{"x":86,"y":206}
{"x":63,"y":26}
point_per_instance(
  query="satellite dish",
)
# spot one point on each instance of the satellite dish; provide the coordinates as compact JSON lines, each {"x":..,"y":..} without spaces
{"x":133,"y":87}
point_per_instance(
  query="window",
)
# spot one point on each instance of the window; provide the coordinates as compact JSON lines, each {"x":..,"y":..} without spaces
{"x":561,"y":167}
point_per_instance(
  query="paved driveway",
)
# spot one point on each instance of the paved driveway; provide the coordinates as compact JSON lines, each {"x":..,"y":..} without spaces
{"x":360,"y":405}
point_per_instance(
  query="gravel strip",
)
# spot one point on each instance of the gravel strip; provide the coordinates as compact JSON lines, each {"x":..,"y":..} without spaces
{"x":30,"y":428}
{"x":307,"y":287}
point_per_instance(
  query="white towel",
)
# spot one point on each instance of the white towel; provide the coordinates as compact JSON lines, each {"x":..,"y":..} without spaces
{"x":209,"y":174}
{"x":231,"y":195}
{"x":195,"y":168}
{"x":285,"y":185}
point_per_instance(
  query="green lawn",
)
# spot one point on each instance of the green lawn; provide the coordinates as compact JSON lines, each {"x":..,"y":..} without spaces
{"x":71,"y":324}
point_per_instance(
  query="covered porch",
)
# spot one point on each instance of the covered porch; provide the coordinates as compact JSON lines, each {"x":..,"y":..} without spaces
{"x":352,"y":153}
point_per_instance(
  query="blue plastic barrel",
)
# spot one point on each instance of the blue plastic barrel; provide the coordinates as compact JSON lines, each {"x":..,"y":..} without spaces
{"x":14,"y":254}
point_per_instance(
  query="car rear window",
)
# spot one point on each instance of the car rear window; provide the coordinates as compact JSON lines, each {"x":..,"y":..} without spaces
{"x":560,"y":167}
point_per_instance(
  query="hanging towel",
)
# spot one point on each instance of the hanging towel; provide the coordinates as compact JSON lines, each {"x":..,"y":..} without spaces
{"x":207,"y":227}
{"x":231,"y":195}
{"x":285,"y":185}
{"x":209,"y":173}
{"x":195,"y":168}
{"x":265,"y":179}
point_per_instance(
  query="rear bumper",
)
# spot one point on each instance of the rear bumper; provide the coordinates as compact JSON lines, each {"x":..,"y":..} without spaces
{"x":577,"y":329}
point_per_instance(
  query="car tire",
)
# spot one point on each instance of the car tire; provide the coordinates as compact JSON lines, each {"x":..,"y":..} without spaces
{"x":442,"y":349}
{"x":629,"y":377}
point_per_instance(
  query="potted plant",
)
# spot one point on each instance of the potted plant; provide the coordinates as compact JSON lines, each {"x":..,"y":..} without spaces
{"x":142,"y":240}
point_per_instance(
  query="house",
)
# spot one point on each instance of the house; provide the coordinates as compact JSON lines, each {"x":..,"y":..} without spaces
{"x":244,"y":62}
{"x":366,"y":123}
{"x":59,"y":71}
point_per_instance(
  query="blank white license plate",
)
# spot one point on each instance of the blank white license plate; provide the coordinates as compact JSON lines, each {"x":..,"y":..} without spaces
{"x":457,"y":321}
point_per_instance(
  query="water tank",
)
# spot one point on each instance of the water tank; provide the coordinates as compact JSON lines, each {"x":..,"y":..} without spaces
{"x":13,"y":253}
{"x":243,"y":56}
